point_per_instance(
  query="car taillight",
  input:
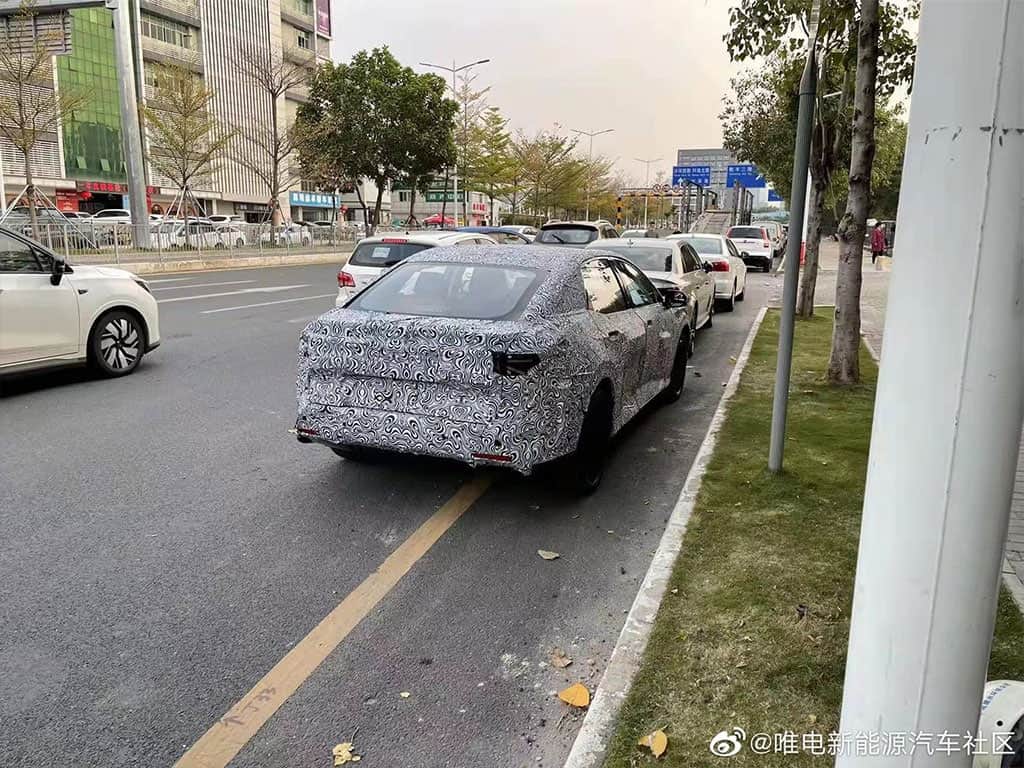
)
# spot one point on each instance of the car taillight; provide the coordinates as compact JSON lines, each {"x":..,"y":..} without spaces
{"x":514,"y":363}
{"x":345,"y":280}
{"x":719,"y":266}
{"x":767,"y":244}
{"x":394,"y":240}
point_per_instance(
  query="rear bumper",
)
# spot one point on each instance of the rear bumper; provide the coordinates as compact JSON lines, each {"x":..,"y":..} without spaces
{"x":724,"y":285}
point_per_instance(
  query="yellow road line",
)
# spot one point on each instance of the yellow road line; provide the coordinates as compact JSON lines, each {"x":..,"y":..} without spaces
{"x":225,"y":738}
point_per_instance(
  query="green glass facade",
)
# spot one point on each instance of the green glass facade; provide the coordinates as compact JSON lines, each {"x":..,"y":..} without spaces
{"x":92,"y":136}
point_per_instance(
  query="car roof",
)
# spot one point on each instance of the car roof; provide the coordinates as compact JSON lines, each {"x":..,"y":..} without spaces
{"x":646,"y":242}
{"x":688,"y":235}
{"x":487,"y":230}
{"x":439,"y":238}
{"x":563,"y":224}
{"x":550,"y":258}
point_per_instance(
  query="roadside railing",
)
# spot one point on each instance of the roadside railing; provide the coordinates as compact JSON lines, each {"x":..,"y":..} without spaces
{"x":96,"y":241}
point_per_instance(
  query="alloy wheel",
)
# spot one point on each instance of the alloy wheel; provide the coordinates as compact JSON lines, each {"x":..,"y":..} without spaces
{"x":120,"y":344}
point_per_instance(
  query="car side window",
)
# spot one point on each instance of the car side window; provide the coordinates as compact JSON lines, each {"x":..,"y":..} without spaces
{"x":638,"y":287}
{"x":732,"y":249}
{"x":610,"y":232}
{"x":16,"y":256}
{"x":604,"y":294}
{"x":690,"y":261}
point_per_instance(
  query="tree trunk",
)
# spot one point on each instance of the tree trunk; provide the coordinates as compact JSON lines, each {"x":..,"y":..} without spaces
{"x":809,"y":277}
{"x":490,"y":217}
{"x":376,"y":207}
{"x":30,"y":192}
{"x":275,"y":170}
{"x":411,"y":220}
{"x":362,"y":204}
{"x":444,"y":199}
{"x":844,"y":360}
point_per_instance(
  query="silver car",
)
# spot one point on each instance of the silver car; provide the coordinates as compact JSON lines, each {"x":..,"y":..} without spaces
{"x":493,"y":355}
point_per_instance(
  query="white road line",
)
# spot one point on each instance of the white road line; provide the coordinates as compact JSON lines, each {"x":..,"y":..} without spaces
{"x":203,"y":285}
{"x":169,"y":280}
{"x":267,"y":303}
{"x":267,"y":289}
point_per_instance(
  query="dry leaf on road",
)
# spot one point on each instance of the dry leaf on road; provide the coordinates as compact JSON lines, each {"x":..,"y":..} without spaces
{"x":405,"y":694}
{"x":576,"y":695}
{"x":559,"y":659}
{"x":657,"y":742}
{"x":343,"y":754}
{"x":548,"y":555}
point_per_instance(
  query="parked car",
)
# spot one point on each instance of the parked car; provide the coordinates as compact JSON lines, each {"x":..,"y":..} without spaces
{"x":501,"y":235}
{"x":523,"y":229}
{"x":112,"y":216}
{"x":54,"y":227}
{"x":53,"y":313}
{"x":232,"y":235}
{"x":575,"y":234}
{"x":775,"y":233}
{"x":727,"y":268}
{"x":289,"y":235}
{"x":202,"y":235}
{"x":672,"y":266}
{"x":496,"y":355}
{"x":754,"y":245}
{"x":374,"y":256}
{"x":225,"y":218}
{"x":75,"y":215}
{"x":638,"y":233}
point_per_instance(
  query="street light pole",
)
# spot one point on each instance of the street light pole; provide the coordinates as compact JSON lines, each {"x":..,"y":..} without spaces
{"x":465,"y":123}
{"x":590,"y":159}
{"x":647,"y":180}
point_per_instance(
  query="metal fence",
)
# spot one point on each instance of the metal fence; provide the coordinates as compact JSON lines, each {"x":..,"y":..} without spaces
{"x":91,"y":240}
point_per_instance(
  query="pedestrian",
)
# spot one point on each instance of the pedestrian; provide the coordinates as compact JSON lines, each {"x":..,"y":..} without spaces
{"x":877,"y":242}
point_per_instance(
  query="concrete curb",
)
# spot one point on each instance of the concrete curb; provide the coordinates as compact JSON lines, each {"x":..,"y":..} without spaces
{"x":240,"y":262}
{"x":592,"y":740}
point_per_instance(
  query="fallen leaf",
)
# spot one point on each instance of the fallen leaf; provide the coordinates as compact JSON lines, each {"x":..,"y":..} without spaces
{"x":675,"y":591}
{"x":576,"y":695}
{"x":405,"y":694}
{"x":343,"y":754}
{"x":559,"y":659}
{"x":657,"y":742}
{"x":548,"y":555}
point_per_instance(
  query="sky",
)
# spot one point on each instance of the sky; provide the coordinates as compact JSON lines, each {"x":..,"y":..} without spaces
{"x":654,"y":70}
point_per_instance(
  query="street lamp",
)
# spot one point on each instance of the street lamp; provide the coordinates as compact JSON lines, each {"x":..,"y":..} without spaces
{"x":647,"y":179}
{"x":455,"y":171}
{"x":590,"y":158}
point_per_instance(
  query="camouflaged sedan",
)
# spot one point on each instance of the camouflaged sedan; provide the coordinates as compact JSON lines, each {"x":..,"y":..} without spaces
{"x":498,"y":355}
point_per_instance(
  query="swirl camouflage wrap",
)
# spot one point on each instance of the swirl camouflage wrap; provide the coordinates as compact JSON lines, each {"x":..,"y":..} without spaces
{"x":512,"y":390}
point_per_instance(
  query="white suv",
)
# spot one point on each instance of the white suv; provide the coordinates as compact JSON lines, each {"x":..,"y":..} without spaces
{"x":54,"y":314}
{"x":376,"y":255}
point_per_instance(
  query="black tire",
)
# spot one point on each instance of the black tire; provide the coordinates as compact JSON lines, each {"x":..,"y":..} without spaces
{"x":117,"y":343}
{"x":218,"y":245}
{"x":742,"y":294}
{"x":730,"y":304}
{"x":677,"y":379}
{"x":711,"y":314}
{"x":239,"y":243}
{"x":586,"y":465}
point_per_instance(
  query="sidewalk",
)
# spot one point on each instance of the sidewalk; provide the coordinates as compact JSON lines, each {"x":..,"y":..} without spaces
{"x":874,"y":295}
{"x":149,"y":264}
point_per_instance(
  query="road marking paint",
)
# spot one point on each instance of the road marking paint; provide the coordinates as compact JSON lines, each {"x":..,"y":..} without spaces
{"x":169,"y":280}
{"x":226,"y":738}
{"x":203,"y":285}
{"x":267,"y":304}
{"x":267,"y":289}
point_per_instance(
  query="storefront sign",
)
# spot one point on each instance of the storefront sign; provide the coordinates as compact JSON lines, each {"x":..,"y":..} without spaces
{"x":312,"y":199}
{"x":323,"y":17}
{"x":441,"y":197}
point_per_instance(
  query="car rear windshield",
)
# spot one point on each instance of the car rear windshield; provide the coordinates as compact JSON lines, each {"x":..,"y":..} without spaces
{"x":567,"y":235}
{"x":648,"y":258}
{"x":748,"y":233}
{"x":466,"y":291}
{"x":709,"y":246}
{"x":384,"y":254}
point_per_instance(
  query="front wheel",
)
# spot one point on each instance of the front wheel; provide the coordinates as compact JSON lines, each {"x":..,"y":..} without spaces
{"x":116,"y":344}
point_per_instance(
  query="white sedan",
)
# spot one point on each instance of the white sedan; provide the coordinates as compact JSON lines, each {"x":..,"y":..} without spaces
{"x":54,"y":314}
{"x":727,"y":267}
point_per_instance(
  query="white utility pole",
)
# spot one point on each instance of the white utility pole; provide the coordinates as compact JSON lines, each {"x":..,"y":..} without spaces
{"x":131,"y":134}
{"x":948,"y":408}
{"x":647,"y":180}
{"x":455,"y":170}
{"x":590,"y":159}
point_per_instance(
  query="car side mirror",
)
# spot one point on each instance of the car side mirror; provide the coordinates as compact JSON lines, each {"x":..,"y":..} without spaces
{"x":744,"y":254}
{"x":56,"y":272}
{"x":707,"y":267}
{"x":674,"y":299}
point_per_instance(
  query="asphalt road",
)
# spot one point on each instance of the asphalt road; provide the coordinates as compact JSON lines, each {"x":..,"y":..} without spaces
{"x":166,"y":542}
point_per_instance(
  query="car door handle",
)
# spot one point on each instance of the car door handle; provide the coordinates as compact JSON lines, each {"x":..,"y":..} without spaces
{"x":82,"y":291}
{"x":614,"y":334}
{"x":650,"y":322}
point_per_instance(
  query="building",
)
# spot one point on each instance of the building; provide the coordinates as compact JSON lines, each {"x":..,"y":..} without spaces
{"x":82,"y":167}
{"x":715,"y":168}
{"x":429,"y":204}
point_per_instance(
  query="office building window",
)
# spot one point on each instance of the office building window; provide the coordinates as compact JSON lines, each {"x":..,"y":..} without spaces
{"x":170,"y":32}
{"x":302,"y":39}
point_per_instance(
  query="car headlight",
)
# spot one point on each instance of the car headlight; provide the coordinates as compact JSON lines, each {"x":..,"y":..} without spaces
{"x":143,"y":285}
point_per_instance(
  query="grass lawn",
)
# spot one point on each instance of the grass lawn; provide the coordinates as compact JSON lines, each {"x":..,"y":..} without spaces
{"x":753,"y":629}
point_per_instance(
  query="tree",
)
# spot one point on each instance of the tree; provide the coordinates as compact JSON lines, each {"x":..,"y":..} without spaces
{"x":771,"y":29}
{"x":31,"y":108}
{"x":472,"y":106}
{"x":490,"y":164}
{"x":265,"y":147}
{"x":379,"y":120}
{"x":186,"y":139}
{"x":546,"y":166}
{"x":844,"y":359}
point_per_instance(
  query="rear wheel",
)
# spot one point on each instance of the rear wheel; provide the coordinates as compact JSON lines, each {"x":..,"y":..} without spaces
{"x":711,"y":313}
{"x":353,"y":453}
{"x":586,"y":466}
{"x":116,"y":344}
{"x":677,"y":379}
{"x":742,"y":294}
{"x":730,"y":304}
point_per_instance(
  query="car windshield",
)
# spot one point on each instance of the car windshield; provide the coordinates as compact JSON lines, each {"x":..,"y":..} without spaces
{"x":384,"y":254}
{"x":708,"y":246}
{"x":746,"y":233}
{"x":466,"y":291}
{"x":634,"y":233}
{"x":567,"y":235}
{"x":648,"y":258}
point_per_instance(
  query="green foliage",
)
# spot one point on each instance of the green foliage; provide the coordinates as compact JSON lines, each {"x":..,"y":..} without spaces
{"x":489,"y":163}
{"x":374,"y":118}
